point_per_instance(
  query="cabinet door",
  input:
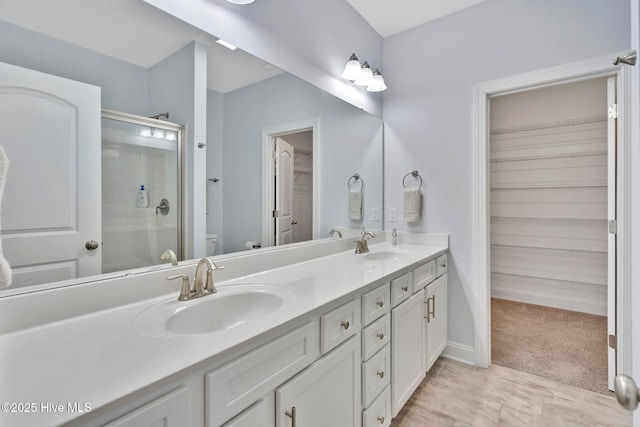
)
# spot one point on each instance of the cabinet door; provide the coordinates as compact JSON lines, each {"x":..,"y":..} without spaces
{"x":407,"y":358}
{"x":327,"y":393}
{"x":170,"y":410}
{"x":435,"y":320}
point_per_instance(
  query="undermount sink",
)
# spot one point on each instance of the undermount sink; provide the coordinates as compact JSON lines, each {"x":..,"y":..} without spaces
{"x":233,"y":306}
{"x":388,"y":255}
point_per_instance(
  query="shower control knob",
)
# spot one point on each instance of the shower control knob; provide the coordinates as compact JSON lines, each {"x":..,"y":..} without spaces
{"x":91,"y":245}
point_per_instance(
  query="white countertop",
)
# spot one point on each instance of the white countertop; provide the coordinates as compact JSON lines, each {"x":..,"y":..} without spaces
{"x":99,"y":357}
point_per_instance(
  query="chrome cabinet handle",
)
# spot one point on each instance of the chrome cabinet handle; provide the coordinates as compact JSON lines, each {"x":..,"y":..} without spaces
{"x":627,"y":392}
{"x":380,"y":336}
{"x":345,"y":325}
{"x":433,"y":304}
{"x":380,"y":304}
{"x":380,"y":374}
{"x":381,"y":420}
{"x":292,"y":414}
{"x":405,"y":288}
{"x":428,"y":310}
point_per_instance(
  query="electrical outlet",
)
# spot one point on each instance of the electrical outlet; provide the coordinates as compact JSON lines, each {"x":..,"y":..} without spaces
{"x":375,"y":214}
{"x":393,"y":215}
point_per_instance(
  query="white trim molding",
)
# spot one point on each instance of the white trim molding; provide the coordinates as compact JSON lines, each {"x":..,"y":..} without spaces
{"x":581,"y":70}
{"x":459,"y":353}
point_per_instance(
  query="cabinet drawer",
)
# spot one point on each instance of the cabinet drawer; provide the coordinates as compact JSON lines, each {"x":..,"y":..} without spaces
{"x":339,"y":324}
{"x":400,"y":289}
{"x":238,"y":384}
{"x":424,"y":275}
{"x":441,"y":267}
{"x":375,"y":304}
{"x":375,"y":375}
{"x":376,"y":336}
{"x":256,"y":416}
{"x":378,"y":414}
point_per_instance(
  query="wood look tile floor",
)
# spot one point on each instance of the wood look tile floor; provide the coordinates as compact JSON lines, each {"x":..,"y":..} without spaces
{"x":455,"y":394}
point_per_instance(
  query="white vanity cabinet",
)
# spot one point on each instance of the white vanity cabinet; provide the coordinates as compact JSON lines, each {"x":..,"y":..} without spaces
{"x":170,"y":410}
{"x":407,"y":361}
{"x":327,"y":393}
{"x":436,"y":320}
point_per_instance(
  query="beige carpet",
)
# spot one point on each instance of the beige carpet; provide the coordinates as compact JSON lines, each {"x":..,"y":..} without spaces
{"x":561,"y":345}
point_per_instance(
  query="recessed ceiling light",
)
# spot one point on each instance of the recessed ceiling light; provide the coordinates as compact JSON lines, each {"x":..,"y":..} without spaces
{"x":241,"y":1}
{"x":226,"y":44}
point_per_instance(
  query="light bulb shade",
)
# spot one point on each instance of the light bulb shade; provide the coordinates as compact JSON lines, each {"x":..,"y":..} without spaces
{"x":366,"y":75}
{"x":352,"y":69}
{"x":378,"y":84}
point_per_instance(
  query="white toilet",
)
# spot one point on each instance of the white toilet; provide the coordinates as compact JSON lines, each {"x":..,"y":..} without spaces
{"x":212,"y":239}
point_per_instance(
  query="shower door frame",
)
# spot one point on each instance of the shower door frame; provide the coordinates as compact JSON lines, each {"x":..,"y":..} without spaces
{"x":170,"y":126}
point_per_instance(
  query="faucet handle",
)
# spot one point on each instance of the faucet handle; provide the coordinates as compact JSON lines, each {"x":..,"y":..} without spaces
{"x":185,"y":289}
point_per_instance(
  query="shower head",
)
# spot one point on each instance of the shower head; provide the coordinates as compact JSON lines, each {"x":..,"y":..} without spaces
{"x":157,"y":116}
{"x":629,"y":59}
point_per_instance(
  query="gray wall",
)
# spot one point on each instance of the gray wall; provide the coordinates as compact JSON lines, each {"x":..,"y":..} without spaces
{"x":430,"y":71}
{"x":350,"y":141}
{"x":310,"y":39}
{"x":215,"y":169}
{"x":124,"y":86}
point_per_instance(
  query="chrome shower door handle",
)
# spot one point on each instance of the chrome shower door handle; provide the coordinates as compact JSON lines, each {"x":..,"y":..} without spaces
{"x":626,"y":392}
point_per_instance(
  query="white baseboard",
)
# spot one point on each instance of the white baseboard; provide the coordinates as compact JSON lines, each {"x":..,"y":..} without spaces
{"x":554,"y":301}
{"x":460,"y":353}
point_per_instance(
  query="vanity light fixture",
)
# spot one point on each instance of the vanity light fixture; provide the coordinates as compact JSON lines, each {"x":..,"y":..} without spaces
{"x":226,"y":44}
{"x":378,"y":84}
{"x":362,"y":75}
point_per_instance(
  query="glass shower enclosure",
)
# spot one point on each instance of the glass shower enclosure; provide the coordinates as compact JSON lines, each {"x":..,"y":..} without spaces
{"x":141,"y":190}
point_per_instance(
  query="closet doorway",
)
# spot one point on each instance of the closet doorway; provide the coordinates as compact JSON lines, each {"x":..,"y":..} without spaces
{"x":289,"y":184}
{"x":552,"y":181}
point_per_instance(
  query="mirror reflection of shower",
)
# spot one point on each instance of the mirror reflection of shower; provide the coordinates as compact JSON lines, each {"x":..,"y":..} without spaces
{"x":141,"y":183}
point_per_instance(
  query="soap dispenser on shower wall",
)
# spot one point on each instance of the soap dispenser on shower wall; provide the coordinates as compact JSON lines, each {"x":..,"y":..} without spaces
{"x":143,"y":198}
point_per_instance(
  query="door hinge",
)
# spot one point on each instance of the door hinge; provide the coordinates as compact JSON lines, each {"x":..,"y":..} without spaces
{"x":613,"y":226}
{"x":613,"y":342}
{"x":275,"y":213}
{"x":613,"y":111}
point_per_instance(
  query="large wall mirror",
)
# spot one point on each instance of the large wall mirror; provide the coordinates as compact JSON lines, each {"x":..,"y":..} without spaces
{"x":282,"y":156}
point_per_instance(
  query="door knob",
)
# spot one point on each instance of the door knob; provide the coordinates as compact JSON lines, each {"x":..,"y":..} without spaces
{"x":626,"y":392}
{"x":91,"y":245}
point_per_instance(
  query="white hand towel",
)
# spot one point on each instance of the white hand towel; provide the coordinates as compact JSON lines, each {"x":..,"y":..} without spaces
{"x":5,"y":269}
{"x":411,"y":204}
{"x":355,"y":204}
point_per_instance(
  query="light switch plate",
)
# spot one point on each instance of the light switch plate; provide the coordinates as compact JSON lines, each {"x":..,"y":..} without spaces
{"x":375,"y":214}
{"x":393,"y":215}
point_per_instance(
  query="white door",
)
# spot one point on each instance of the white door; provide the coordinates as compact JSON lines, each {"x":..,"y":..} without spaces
{"x":50,"y":130}
{"x":284,"y":192}
{"x":611,"y":215}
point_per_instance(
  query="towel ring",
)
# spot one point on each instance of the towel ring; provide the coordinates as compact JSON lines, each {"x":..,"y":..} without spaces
{"x":355,"y":178}
{"x":414,"y":174}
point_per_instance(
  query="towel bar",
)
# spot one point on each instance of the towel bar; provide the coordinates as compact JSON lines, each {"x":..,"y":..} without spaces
{"x":414,"y":174}
{"x":355,"y":178}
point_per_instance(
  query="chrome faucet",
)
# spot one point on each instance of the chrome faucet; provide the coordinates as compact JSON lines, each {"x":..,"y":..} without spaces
{"x":169,"y":255}
{"x":362,"y":246}
{"x":208,"y":287}
{"x":334,"y":231}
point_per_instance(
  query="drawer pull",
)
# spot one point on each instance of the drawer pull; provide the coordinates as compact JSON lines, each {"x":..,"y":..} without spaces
{"x":345,"y":325}
{"x":380,"y":336}
{"x":381,"y":420}
{"x":405,"y":288}
{"x":292,"y":414}
{"x":380,"y":374}
{"x":380,"y":304}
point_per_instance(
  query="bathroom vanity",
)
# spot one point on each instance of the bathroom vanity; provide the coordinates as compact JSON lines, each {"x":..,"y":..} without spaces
{"x":310,"y":335}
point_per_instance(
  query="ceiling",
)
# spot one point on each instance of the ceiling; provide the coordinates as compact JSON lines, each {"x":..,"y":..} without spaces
{"x":138,"y":33}
{"x":389,"y":17}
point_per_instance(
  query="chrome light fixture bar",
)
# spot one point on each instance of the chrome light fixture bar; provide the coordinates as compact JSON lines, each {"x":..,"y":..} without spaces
{"x":362,"y":75}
